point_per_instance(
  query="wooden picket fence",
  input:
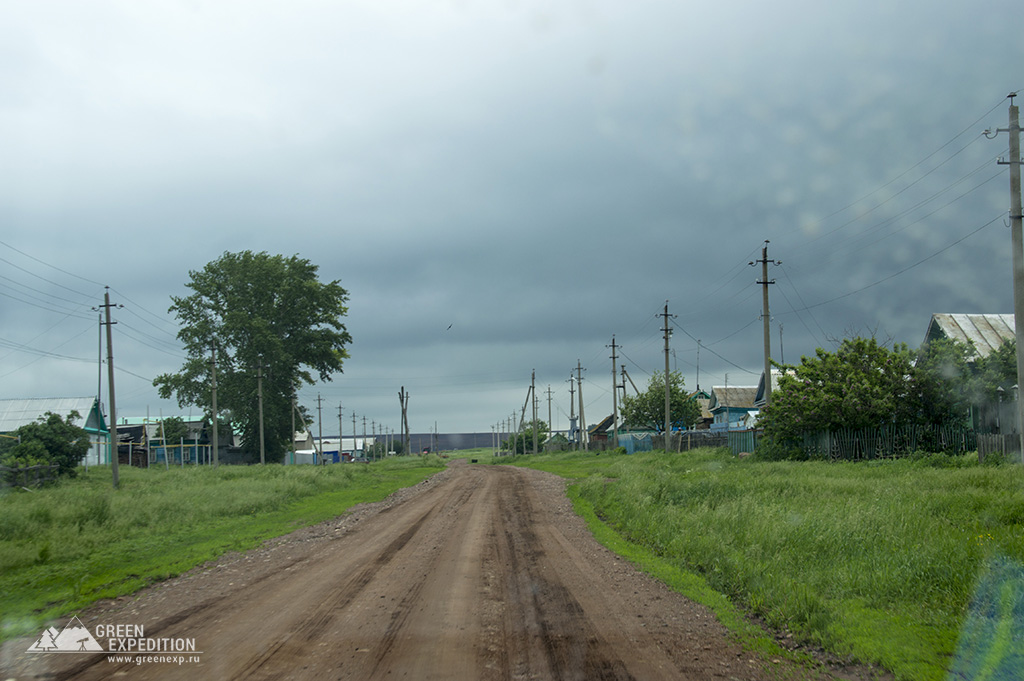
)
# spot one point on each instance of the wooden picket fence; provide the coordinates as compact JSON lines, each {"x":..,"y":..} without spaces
{"x":889,"y":442}
{"x":27,"y":476}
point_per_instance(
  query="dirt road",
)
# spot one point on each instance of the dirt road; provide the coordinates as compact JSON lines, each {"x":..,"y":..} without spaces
{"x":483,"y":572}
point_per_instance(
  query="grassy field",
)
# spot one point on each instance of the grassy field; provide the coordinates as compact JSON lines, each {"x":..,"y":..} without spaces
{"x":66,"y":546}
{"x":914,"y":565}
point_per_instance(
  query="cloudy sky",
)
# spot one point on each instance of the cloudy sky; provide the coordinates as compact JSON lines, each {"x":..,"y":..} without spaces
{"x":540,"y":176}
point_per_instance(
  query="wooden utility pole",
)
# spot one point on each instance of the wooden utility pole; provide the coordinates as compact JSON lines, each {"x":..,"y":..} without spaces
{"x":213,"y":407}
{"x":615,"y":396}
{"x":1017,"y":245}
{"x":572,"y":410}
{"x":767,"y":318}
{"x":551,"y":424}
{"x":354,"y":436}
{"x":110,"y":381}
{"x":320,"y":428}
{"x":341,"y":444}
{"x":583,"y":422}
{"x":668,"y":388}
{"x":533,"y":384}
{"x":259,"y":396}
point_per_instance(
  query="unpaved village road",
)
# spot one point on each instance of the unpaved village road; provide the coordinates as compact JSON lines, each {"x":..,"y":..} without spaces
{"x":482,"y":572}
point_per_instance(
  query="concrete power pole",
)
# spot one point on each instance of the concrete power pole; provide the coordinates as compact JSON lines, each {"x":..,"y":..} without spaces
{"x":1017,"y":245}
{"x":113,"y":408}
{"x":766,"y":316}
{"x":615,"y":396}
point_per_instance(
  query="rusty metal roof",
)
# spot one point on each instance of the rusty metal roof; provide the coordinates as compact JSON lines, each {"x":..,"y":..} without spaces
{"x":986,"y":331}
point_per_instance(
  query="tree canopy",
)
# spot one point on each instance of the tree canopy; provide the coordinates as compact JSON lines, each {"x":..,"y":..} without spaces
{"x":262,"y":313}
{"x":522,"y":442}
{"x":49,"y":440}
{"x":647,"y":410}
{"x":863,"y":384}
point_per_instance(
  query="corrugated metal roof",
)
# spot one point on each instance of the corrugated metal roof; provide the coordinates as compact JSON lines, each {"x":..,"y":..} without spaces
{"x":17,"y":413}
{"x":986,"y":331}
{"x":735,"y":397}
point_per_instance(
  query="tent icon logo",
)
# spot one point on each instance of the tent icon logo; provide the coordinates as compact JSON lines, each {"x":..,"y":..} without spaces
{"x":74,"y":638}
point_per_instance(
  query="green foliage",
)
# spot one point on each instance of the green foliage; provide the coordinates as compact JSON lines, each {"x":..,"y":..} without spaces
{"x":522,"y":442}
{"x":50,"y":440}
{"x":998,"y":370}
{"x":257,"y":309}
{"x":173,"y":430}
{"x":944,"y":381}
{"x":647,"y":410}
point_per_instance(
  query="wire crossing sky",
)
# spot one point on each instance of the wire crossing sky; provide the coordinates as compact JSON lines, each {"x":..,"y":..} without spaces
{"x":501,"y":187}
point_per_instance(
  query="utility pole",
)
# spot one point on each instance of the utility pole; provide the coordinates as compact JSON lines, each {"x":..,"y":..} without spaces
{"x":668,"y":391}
{"x":572,"y":410}
{"x":341,"y":443}
{"x":213,"y":408}
{"x":583,"y":422}
{"x":110,"y":380}
{"x":403,"y":398}
{"x":259,"y":395}
{"x":1017,"y":245}
{"x":615,"y":396}
{"x":354,"y":435}
{"x":766,"y":316}
{"x":320,"y":427}
{"x":551,"y":425}
{"x":292,"y":447}
{"x":533,"y":393}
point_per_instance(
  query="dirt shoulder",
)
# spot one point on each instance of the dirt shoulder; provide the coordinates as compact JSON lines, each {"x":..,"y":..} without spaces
{"x":480,"y":572}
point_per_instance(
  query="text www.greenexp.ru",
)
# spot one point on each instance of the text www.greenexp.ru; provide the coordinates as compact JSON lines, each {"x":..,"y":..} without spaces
{"x":153,"y":659}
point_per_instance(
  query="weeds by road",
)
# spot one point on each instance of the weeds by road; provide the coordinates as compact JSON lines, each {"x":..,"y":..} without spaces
{"x":877,"y":561}
{"x":66,"y":546}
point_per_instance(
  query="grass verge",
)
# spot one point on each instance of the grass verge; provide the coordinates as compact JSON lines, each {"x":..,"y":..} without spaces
{"x":64,"y":547}
{"x":916,"y":566}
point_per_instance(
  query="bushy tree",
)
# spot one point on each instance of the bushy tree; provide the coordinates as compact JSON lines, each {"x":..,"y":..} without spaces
{"x":522,"y":442}
{"x":944,"y":381}
{"x":647,"y":410}
{"x":257,"y":310}
{"x":998,"y":370}
{"x":861,"y":385}
{"x":49,"y":440}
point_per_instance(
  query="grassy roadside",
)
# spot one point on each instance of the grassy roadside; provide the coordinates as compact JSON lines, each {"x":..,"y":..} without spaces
{"x":66,"y":546}
{"x":891,"y":563}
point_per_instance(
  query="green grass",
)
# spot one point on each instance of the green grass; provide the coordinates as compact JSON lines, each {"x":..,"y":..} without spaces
{"x":66,"y":546}
{"x":880,"y":562}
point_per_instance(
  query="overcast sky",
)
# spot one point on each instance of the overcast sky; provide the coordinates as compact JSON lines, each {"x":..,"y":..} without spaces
{"x":540,"y":176}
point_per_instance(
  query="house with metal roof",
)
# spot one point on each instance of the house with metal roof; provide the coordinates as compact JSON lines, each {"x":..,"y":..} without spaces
{"x":17,"y":413}
{"x":730,"y":404}
{"x":986,"y":331}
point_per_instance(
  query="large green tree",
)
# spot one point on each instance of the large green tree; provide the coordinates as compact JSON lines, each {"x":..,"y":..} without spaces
{"x":50,"y":440}
{"x":647,"y":410}
{"x":863,"y":384}
{"x":262,"y":313}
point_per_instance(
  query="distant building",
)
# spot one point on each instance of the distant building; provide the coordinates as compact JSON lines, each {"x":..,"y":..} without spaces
{"x":729,"y":406}
{"x":20,"y":412}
